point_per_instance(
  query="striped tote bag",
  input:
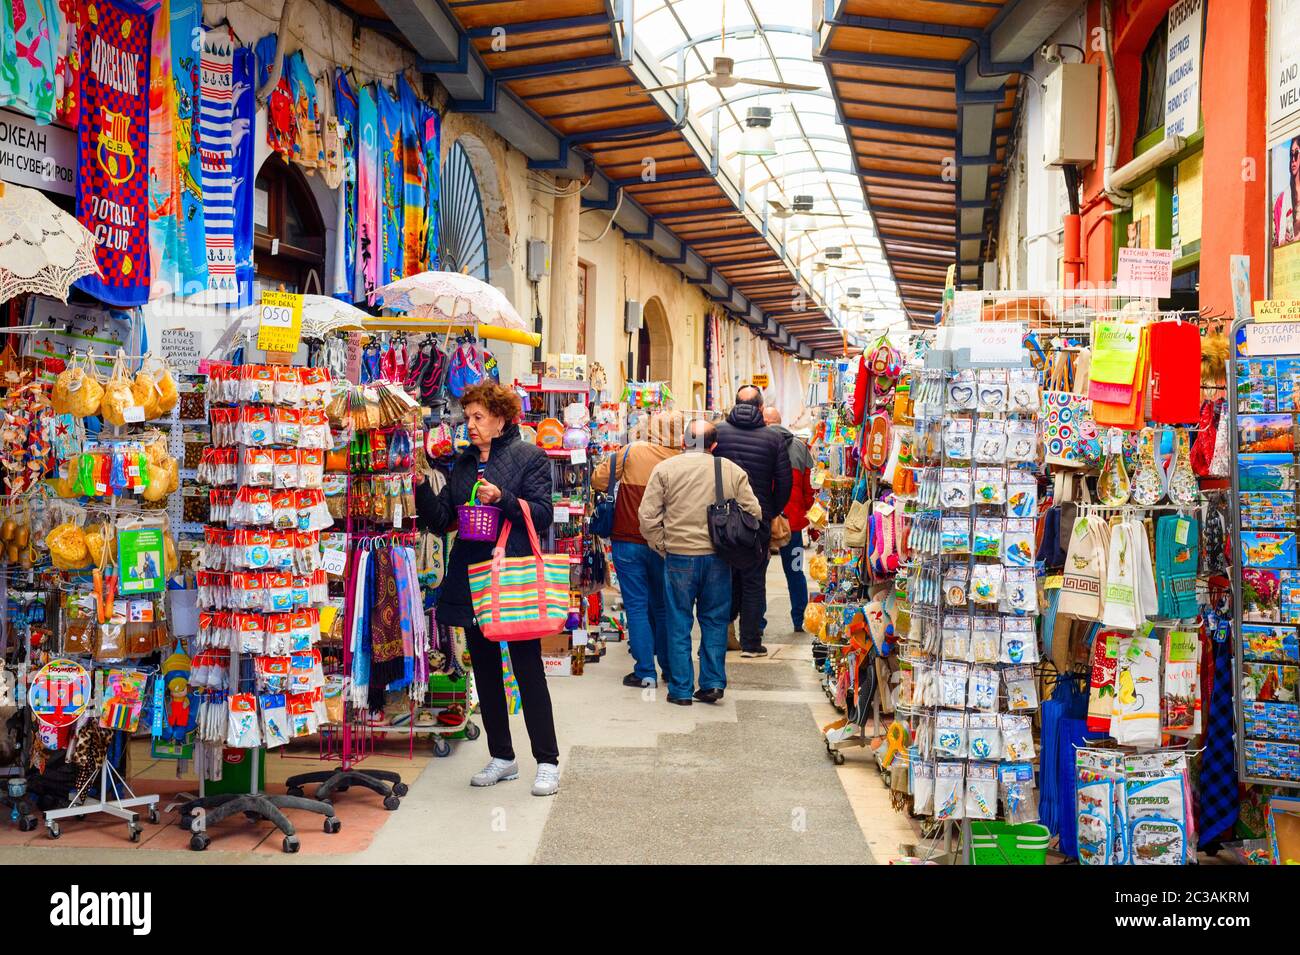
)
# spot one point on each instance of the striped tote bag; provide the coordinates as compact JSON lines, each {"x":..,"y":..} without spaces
{"x":520,"y":598}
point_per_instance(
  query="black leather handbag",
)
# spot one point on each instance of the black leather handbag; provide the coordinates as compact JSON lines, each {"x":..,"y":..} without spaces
{"x":736,"y":534}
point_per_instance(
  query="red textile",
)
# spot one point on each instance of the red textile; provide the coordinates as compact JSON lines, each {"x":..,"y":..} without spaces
{"x":1175,"y":372}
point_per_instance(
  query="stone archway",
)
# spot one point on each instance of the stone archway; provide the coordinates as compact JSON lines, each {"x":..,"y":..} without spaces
{"x":655,"y":351}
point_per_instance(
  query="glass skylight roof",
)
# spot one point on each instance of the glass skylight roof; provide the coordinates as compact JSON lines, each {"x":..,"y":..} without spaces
{"x":773,"y":40}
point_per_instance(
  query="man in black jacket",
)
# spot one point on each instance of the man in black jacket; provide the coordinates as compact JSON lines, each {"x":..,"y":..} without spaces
{"x":745,"y":439}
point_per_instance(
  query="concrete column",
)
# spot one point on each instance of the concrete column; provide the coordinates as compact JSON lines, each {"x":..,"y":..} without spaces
{"x":562,"y":316}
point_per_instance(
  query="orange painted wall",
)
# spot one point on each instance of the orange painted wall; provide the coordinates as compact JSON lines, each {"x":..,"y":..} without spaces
{"x":1234,"y":70}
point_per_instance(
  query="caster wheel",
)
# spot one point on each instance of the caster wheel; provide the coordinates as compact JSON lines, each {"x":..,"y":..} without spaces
{"x":290,"y":844}
{"x":200,"y":841}
{"x":400,"y":789}
{"x":134,"y":834}
{"x":27,"y":824}
{"x":391,"y":802}
{"x":332,"y":824}
{"x":472,"y":731}
{"x":441,"y":748}
{"x":839,"y":759}
{"x":295,"y":791}
{"x":153,"y":815}
{"x":53,"y":830}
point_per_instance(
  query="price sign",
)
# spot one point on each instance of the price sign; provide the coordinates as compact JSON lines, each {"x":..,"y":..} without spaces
{"x":280,"y":322}
{"x":334,"y":562}
{"x":761,"y":381}
{"x":1145,"y":273}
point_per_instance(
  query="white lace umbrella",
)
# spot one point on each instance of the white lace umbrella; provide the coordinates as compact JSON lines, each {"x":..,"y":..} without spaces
{"x":450,"y":297}
{"x":42,"y":248}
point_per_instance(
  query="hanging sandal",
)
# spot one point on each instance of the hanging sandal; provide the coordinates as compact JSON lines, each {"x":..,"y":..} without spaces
{"x":1183,"y":489}
{"x":1148,"y":487}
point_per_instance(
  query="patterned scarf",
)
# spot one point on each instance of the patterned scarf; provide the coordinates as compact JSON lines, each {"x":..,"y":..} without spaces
{"x":1220,"y":795}
{"x":216,"y":121}
{"x":113,"y":152}
{"x":386,"y":644}
{"x":242,"y":170}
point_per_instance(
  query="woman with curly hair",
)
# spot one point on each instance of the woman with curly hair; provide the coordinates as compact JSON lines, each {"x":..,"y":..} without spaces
{"x":512,"y":474}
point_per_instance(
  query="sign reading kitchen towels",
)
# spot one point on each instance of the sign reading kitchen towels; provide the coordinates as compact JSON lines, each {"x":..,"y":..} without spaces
{"x":112,"y":149}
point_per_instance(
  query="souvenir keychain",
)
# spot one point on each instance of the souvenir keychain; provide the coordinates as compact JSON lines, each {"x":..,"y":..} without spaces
{"x":1022,"y":441}
{"x":1018,"y":543}
{"x":990,"y":486}
{"x":950,"y":735}
{"x":992,"y":390}
{"x":988,"y":539}
{"x":958,"y":435}
{"x":953,"y":678}
{"x":986,"y":583}
{"x":948,"y":790}
{"x":1022,"y":495}
{"x":1023,"y":390}
{"x":990,"y":442}
{"x":984,"y":738}
{"x":962,"y":392}
{"x":1017,"y":737}
{"x":955,"y":490}
{"x":981,"y":791}
{"x":956,"y":638}
{"x":986,"y":639}
{"x":982,"y":690}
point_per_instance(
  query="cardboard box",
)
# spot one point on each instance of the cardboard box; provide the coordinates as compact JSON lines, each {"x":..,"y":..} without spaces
{"x":557,"y":644}
{"x":557,"y":666}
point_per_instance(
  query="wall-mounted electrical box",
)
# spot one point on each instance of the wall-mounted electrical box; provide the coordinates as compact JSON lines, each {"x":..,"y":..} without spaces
{"x":631,"y":316}
{"x":1070,"y":115}
{"x":538,"y":260}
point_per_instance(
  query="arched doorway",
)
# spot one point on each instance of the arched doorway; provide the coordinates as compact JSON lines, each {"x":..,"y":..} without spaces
{"x":288,"y":231}
{"x":655,"y":345}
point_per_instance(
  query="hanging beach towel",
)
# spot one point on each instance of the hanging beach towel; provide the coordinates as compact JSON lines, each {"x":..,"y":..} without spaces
{"x":433,"y":205}
{"x":390,"y":198}
{"x":164,"y":172}
{"x":192,"y":258}
{"x":369,"y":243}
{"x":242,"y":149}
{"x":345,"y":266}
{"x":113,"y":153}
{"x":216,"y":123}
{"x":414,"y":174}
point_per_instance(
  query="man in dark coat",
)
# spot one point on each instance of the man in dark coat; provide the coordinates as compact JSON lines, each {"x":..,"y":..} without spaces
{"x":745,"y":439}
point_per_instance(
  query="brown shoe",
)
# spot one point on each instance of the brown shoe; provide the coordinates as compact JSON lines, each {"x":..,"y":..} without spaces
{"x":733,"y":641}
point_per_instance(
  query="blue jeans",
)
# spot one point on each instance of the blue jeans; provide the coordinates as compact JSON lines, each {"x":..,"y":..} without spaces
{"x":792,"y":562}
{"x":697,"y":586}
{"x":641,"y":582}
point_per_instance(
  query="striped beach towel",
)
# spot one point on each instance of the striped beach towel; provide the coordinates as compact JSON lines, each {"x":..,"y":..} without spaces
{"x":216,"y":131}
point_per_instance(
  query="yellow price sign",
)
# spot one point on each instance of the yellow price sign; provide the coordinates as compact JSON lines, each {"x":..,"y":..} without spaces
{"x":280,"y":322}
{"x":761,"y":381}
{"x":1278,"y":310}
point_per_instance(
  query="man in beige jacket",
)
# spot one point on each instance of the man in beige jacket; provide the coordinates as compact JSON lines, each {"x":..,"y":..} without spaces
{"x":674,"y":523}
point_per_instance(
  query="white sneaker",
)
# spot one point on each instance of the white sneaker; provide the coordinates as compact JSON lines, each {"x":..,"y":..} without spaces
{"x":494,"y":772}
{"x":547,"y":782}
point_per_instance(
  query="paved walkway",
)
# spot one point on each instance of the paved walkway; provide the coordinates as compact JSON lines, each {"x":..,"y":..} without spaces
{"x":744,"y":781}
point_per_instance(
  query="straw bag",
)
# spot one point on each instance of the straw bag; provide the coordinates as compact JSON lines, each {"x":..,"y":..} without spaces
{"x":520,"y":598}
{"x":1069,"y":434}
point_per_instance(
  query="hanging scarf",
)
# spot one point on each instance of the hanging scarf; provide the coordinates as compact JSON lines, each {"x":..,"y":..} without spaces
{"x":192,"y":255}
{"x":216,"y":122}
{"x":369,"y":245}
{"x":308,"y":151}
{"x":113,"y":152}
{"x":281,"y":119}
{"x":406,"y":614}
{"x":31,"y":32}
{"x":433,"y":164}
{"x":1220,"y":800}
{"x":385,"y":627}
{"x":164,"y":173}
{"x":359,"y":644}
{"x":242,"y":148}
{"x":390,"y":197}
{"x":345,"y":105}
{"x":414,"y":181}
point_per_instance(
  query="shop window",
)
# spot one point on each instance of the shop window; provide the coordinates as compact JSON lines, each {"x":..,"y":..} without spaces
{"x":1151,"y":103}
{"x":288,"y":232}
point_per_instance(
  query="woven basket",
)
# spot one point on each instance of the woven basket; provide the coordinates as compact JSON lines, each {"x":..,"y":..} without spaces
{"x":475,"y":521}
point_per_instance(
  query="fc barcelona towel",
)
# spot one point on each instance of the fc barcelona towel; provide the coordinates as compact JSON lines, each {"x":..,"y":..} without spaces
{"x":113,"y":150}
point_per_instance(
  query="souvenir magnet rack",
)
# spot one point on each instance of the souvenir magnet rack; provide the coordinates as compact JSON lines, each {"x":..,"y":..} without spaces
{"x":1265,"y":354}
{"x":197,"y":815}
{"x":112,"y":805}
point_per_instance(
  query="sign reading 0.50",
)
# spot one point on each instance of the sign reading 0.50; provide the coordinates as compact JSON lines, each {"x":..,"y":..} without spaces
{"x":280,"y":322}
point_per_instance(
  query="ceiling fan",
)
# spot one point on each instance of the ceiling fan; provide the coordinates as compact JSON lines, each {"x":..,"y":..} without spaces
{"x":723,"y":77}
{"x":802,"y":206}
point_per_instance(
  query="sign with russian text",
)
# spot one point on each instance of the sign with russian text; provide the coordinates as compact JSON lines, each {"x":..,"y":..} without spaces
{"x":1145,"y":273}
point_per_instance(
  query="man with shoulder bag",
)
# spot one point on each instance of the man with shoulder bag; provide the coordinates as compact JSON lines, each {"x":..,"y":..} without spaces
{"x":700,"y":513}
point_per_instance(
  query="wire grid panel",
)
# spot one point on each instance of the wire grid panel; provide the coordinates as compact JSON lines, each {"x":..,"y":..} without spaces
{"x":1060,"y":308}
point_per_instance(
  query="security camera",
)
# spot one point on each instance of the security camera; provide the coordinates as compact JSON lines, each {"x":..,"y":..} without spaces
{"x":1050,"y":52}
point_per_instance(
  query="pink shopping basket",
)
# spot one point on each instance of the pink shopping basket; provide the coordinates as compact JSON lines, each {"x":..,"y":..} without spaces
{"x":475,"y":521}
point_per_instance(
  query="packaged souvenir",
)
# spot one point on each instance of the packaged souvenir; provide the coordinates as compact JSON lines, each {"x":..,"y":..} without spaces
{"x":956,"y":638}
{"x":990,"y":486}
{"x":1022,"y":495}
{"x":257,"y":469}
{"x":287,"y":389}
{"x":922,"y":772}
{"x":981,"y":791}
{"x":950,"y":735}
{"x":1019,"y":641}
{"x":986,"y":583}
{"x":242,"y":726}
{"x":955,"y":489}
{"x":256,"y":426}
{"x":952,"y":684}
{"x":1018,"y":793}
{"x":275,"y":719}
{"x":992,"y":398}
{"x":1022,"y":388}
{"x":1180,"y":706}
{"x":986,"y":639}
{"x":962,"y":394}
{"x":1018,"y":543}
{"x":987,"y":539}
{"x":1017,"y":737}
{"x":288,"y":426}
{"x":982,"y":690}
{"x":955,"y":536}
{"x":311,"y":468}
{"x":1022,"y":689}
{"x":990,"y":445}
{"x":256,"y":384}
{"x":949,"y":790}
{"x":984,"y":737}
{"x":1022,"y":441}
{"x":956,"y":580}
